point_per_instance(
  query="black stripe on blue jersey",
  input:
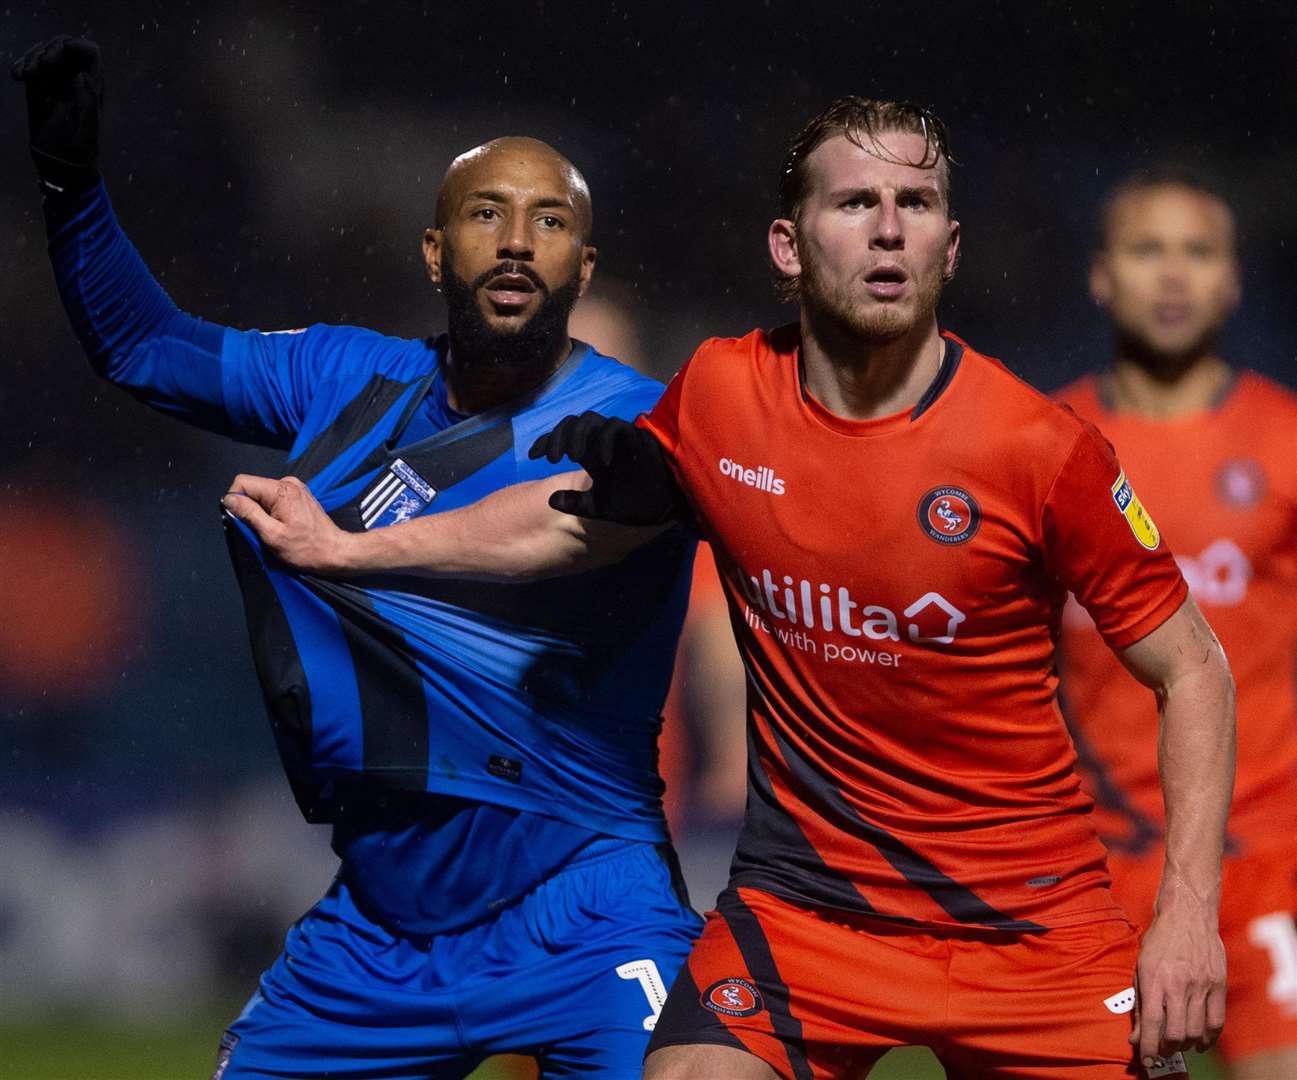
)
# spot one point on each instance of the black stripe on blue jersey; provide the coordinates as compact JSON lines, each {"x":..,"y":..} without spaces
{"x":279,"y":667}
{"x":956,"y":900}
{"x":378,"y":710}
{"x":774,"y":855}
{"x":554,"y":606}
{"x":393,"y":709}
{"x":439,"y":463}
{"x":760,"y":962}
{"x":361,"y":413}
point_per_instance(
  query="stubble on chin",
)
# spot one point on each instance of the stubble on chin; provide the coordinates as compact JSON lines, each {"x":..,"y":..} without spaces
{"x":870,"y":321}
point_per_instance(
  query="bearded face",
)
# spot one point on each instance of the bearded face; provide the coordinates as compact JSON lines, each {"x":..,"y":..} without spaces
{"x":1168,"y":276}
{"x":910,"y":298}
{"x":873,"y":243}
{"x":477,"y":337}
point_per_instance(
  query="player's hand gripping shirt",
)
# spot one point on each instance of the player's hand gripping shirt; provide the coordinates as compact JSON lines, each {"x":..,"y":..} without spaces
{"x":896,"y":587}
{"x":540,"y":697}
{"x":1222,"y":485}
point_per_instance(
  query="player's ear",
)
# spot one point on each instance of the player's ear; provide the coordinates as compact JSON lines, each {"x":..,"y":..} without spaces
{"x":433,"y":240}
{"x":783,"y":247}
{"x":952,"y":251}
{"x":1100,"y":279}
{"x":589,"y":253}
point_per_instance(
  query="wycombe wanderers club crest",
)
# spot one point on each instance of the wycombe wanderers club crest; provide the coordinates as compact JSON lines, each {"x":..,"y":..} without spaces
{"x":950,"y":515}
{"x":733,"y":997}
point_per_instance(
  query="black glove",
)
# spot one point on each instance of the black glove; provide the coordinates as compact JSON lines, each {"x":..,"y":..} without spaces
{"x":65,"y":93}
{"x":633,"y":484}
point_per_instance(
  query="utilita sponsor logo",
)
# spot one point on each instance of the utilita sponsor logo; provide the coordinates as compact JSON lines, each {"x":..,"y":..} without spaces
{"x":931,"y":619}
{"x":762,"y":478}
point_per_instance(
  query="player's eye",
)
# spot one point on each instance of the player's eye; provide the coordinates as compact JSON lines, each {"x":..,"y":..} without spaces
{"x":549,"y":221}
{"x":486,"y":213}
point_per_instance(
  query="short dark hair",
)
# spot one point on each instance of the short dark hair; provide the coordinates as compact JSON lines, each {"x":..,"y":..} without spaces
{"x":862,"y":120}
{"x":1151,"y":178}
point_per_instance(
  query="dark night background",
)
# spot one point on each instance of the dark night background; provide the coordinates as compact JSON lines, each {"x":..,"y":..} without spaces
{"x":276,"y":164}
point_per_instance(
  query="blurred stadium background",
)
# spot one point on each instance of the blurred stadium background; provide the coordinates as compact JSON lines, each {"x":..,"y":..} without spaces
{"x":276,"y":164}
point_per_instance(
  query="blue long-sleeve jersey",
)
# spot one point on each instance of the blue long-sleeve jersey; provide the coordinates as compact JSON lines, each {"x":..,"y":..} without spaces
{"x":539,"y":701}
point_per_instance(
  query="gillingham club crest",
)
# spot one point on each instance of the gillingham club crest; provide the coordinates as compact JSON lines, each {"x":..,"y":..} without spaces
{"x":397,"y":494}
{"x":733,"y":997}
{"x":949,"y":515}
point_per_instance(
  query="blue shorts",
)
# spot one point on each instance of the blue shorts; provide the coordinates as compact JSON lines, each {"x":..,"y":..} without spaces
{"x":573,"y":974}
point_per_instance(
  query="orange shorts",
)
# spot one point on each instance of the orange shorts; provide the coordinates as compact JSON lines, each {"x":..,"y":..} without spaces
{"x":819,"y":994}
{"x":1258,"y":898}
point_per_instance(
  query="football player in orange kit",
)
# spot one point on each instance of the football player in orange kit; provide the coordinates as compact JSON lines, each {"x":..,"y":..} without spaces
{"x":897,"y":521}
{"x":1214,"y":451}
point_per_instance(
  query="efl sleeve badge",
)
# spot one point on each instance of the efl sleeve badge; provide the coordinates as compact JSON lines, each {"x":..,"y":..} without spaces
{"x":1133,"y":510}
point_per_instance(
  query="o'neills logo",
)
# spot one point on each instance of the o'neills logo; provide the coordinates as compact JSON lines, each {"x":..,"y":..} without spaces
{"x":762,"y":478}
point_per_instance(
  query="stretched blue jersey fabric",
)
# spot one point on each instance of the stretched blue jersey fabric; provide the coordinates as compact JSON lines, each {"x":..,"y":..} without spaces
{"x":537,"y":698}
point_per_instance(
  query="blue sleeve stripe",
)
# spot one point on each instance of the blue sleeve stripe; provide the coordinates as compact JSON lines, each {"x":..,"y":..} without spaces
{"x":132,"y":332}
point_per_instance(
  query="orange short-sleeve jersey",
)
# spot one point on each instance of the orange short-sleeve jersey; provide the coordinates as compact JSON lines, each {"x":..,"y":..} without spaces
{"x":1222,"y":485}
{"x":896,"y":586}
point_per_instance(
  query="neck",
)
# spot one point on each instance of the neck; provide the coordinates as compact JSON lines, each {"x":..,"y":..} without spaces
{"x":476,"y":383}
{"x":863,"y":380}
{"x":1134,"y":386}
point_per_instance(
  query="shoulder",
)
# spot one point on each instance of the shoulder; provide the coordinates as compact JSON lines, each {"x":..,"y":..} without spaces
{"x":756,"y":348}
{"x":1082,"y":395}
{"x":1016,"y":410}
{"x":1260,"y":422}
{"x":1260,"y":392}
{"x":355,"y":350}
{"x":606,"y":385}
{"x":738,"y":366}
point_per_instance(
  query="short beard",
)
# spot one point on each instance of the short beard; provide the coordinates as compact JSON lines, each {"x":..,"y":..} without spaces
{"x":475,"y":343}
{"x":837,"y":311}
{"x":1163,"y":365}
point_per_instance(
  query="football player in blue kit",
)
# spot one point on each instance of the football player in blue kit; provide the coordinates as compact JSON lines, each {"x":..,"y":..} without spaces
{"x":484,"y":752}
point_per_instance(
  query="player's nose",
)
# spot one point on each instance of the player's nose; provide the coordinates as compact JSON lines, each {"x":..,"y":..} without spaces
{"x":888,"y":233}
{"x":516,"y":241}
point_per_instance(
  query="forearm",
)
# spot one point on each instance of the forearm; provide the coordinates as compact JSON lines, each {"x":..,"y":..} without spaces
{"x":512,"y":534}
{"x":1180,"y":978}
{"x":1196,"y":761}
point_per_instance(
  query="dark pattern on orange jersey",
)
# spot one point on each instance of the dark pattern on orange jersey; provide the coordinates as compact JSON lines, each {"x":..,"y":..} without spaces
{"x":896,"y":587}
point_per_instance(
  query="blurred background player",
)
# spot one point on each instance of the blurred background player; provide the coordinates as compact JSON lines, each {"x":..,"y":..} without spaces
{"x":486,"y":754}
{"x":1213,"y":451}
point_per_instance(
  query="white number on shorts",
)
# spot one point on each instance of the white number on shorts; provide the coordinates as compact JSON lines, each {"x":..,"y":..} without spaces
{"x":650,"y":981}
{"x":1277,"y":934}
